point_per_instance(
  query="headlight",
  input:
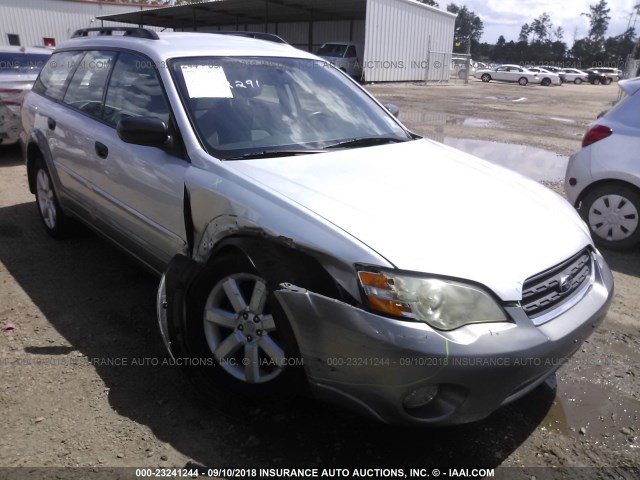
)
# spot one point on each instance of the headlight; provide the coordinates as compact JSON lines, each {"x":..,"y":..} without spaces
{"x":443,"y":304}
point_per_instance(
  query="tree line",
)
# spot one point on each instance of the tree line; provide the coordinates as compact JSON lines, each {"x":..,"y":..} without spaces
{"x":541,"y":42}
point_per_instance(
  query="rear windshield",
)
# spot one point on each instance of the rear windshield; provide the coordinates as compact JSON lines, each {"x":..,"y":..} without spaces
{"x":22,"y":62}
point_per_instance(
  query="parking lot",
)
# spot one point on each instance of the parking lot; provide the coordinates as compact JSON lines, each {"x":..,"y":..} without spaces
{"x":77,"y":302}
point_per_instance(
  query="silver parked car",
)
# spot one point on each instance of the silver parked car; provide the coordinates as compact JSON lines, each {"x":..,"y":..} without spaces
{"x":574,"y":75}
{"x":304,"y":237}
{"x":603,"y":178}
{"x":19,"y":68}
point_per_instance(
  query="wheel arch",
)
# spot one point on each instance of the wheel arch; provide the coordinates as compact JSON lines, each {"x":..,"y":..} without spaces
{"x":37,"y":149}
{"x":276,"y":261}
{"x":600,"y":183}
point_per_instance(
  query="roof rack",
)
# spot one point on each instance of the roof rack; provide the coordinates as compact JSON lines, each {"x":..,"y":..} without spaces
{"x":128,"y":32}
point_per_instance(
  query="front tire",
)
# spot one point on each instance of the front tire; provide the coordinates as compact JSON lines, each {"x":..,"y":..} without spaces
{"x":545,"y":82}
{"x":235,"y":322}
{"x":523,"y":81}
{"x":608,"y":81}
{"x":612,"y":213}
{"x":55,"y":222}
{"x":577,"y":81}
{"x":485,"y":78}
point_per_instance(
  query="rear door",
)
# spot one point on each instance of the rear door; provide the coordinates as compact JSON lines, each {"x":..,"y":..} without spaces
{"x":53,"y":120}
{"x":80,"y":116}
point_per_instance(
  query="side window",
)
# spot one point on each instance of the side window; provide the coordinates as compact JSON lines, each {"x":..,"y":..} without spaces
{"x":53,"y":77}
{"x":134,"y":91}
{"x":351,"y":52}
{"x":87,"y":85}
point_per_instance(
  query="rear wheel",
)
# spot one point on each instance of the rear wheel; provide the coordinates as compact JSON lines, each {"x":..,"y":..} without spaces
{"x":608,"y":81}
{"x":612,"y":213}
{"x":523,"y":81}
{"x":55,"y":222}
{"x":595,"y":81}
{"x":485,"y":77}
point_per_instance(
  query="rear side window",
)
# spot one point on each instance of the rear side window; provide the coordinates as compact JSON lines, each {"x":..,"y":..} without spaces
{"x":53,"y":77}
{"x":134,"y":91}
{"x":87,"y":86}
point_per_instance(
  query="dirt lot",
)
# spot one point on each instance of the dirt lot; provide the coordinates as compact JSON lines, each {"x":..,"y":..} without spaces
{"x":77,"y":302}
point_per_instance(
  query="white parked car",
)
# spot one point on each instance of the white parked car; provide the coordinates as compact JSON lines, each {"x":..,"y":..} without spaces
{"x":574,"y":75}
{"x":603,"y":179}
{"x":508,"y":73}
{"x":547,"y":77}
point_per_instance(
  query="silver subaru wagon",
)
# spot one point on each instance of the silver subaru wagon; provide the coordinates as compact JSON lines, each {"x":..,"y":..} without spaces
{"x":305,"y":239}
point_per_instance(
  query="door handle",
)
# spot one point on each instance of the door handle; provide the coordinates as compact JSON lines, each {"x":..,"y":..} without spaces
{"x":51,"y":123}
{"x":101,"y":150}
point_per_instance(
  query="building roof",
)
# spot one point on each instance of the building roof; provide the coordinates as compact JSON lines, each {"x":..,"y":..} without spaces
{"x":240,"y":12}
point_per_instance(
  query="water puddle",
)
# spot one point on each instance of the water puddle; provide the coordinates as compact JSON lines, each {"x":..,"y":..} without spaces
{"x":479,"y":123}
{"x":562,"y":120}
{"x":589,"y":410}
{"x":533,"y":162}
{"x":442,"y":119}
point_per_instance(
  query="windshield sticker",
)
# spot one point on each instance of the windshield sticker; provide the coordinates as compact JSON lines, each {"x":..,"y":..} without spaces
{"x":206,"y":81}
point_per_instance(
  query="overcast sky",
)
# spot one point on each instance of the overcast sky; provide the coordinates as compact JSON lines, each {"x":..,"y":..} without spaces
{"x":505,"y":17}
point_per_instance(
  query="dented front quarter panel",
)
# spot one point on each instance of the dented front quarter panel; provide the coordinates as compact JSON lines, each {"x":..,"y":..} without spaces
{"x":224,"y":203}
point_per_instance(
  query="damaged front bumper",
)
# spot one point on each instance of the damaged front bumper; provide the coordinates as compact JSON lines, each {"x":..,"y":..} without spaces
{"x":373,"y":364}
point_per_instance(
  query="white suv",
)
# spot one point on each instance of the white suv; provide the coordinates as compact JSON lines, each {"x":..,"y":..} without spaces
{"x":304,"y":237}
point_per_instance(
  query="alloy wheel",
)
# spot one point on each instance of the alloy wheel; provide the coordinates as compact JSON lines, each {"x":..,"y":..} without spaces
{"x":46,"y":199}
{"x":240,"y":330}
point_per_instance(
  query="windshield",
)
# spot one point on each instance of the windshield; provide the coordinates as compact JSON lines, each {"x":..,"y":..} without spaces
{"x":239,"y":106}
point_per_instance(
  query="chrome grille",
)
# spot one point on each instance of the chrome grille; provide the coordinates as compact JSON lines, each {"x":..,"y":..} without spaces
{"x":547,"y":290}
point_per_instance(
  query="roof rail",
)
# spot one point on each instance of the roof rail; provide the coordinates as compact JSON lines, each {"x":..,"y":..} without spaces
{"x":269,"y":37}
{"x":128,"y":32}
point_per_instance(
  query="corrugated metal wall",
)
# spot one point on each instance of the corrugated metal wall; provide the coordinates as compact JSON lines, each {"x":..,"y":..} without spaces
{"x":297,"y":33}
{"x":34,"y":20}
{"x":405,"y":41}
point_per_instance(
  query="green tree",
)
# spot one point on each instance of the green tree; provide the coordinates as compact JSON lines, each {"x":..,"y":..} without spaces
{"x":598,"y":16}
{"x":430,"y":2}
{"x":468,"y":26}
{"x":524,"y":33}
{"x":541,"y":28}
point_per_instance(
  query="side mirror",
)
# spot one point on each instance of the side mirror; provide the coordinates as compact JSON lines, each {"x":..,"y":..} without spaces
{"x":393,"y":109}
{"x":148,"y":131}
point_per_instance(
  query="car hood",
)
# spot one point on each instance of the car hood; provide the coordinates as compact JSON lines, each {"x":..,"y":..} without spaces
{"x":429,"y":208}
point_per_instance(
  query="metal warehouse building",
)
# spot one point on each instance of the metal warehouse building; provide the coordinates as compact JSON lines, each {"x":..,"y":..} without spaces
{"x":404,"y":40}
{"x":31,"y":23}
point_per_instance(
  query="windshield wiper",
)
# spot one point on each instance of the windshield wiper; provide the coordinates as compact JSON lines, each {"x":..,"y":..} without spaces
{"x":366,"y":141}
{"x":273,"y":154}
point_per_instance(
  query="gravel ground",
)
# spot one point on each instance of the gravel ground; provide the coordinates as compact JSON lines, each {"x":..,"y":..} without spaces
{"x":75,"y":303}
